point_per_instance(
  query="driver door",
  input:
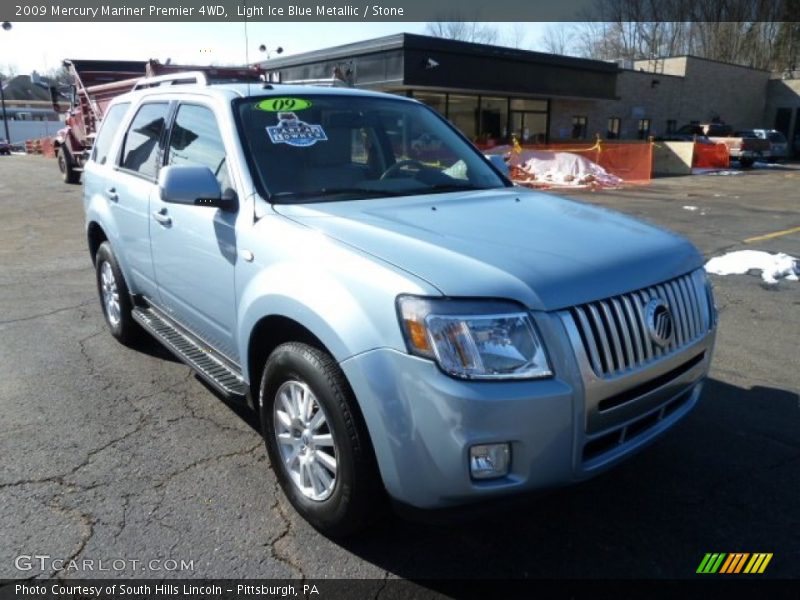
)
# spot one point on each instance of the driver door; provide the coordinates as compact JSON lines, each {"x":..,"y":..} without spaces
{"x":194,"y":247}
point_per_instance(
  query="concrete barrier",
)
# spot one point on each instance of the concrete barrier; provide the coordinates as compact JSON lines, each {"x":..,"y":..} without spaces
{"x":673,"y":158}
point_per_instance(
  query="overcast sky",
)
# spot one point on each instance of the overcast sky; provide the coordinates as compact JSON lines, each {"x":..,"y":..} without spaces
{"x":42,"y":46}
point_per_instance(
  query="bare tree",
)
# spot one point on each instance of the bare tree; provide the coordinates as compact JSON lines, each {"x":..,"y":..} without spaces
{"x":557,"y":40}
{"x":8,"y":71}
{"x":516,"y":36}
{"x":466,"y":31}
{"x":759,"y":33}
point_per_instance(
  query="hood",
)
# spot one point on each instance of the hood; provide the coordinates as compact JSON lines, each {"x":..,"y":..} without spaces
{"x":541,"y":250}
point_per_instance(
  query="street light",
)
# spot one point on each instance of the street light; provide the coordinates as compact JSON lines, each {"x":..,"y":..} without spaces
{"x":6,"y":27}
{"x":263,"y":48}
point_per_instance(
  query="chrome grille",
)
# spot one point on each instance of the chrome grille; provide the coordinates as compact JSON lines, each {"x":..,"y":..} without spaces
{"x":614,"y":332}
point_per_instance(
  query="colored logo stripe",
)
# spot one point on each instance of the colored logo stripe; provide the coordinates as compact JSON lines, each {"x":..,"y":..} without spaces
{"x":711,"y":563}
{"x":758,"y":563}
{"x":734,"y":563}
{"x":721,"y":562}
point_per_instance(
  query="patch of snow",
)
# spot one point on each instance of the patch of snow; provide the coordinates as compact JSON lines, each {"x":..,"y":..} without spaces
{"x":772,"y":266}
{"x":689,"y":207}
{"x":698,"y":171}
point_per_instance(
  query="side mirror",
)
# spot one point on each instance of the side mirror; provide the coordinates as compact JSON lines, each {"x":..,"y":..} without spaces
{"x":54,"y":100}
{"x":190,"y":184}
{"x":499,"y":163}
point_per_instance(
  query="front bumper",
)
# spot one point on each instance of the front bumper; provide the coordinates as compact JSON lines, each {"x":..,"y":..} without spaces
{"x":423,"y":422}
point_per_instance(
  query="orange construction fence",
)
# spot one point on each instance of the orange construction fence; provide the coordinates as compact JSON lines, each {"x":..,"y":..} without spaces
{"x":631,"y":161}
{"x":711,"y":156}
{"x":42,"y":146}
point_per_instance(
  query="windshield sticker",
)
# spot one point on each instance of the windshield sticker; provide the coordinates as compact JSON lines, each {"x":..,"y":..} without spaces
{"x":283,"y":104}
{"x":291,"y":130}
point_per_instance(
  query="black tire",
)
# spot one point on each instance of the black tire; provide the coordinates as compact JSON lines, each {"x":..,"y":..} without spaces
{"x":122,"y":327}
{"x":746,"y":163}
{"x":66,"y":164}
{"x":357,"y":496}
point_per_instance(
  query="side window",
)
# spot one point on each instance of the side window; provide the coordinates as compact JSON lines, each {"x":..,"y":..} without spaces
{"x":140,"y":148}
{"x":111,"y":122}
{"x":195,"y":140}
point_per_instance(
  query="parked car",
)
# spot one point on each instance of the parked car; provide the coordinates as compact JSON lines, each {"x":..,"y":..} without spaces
{"x":417,"y":329}
{"x":683,"y":137}
{"x":706,"y":129}
{"x":5,"y":147}
{"x":744,"y":149}
{"x":778,"y":144}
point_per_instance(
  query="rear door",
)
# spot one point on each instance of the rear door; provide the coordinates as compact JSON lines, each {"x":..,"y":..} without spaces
{"x":133,"y":188}
{"x":194,"y":247}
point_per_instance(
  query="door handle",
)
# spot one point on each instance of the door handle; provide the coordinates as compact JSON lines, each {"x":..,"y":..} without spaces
{"x":162,"y":217}
{"x":112,"y":194}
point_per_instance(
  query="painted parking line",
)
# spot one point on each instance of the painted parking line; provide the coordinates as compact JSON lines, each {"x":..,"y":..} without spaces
{"x":775,"y":234}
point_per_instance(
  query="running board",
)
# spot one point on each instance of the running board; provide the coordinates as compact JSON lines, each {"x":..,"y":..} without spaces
{"x":219,"y":375}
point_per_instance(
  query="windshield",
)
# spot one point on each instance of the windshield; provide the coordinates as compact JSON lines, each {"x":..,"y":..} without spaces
{"x":317,"y":148}
{"x":777,"y":137}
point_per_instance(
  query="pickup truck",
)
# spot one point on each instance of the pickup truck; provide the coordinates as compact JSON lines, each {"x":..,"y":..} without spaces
{"x":778,"y":144}
{"x":742,"y":146}
{"x":407,"y":327}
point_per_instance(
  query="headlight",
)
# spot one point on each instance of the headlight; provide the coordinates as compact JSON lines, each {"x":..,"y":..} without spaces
{"x":474,"y":339}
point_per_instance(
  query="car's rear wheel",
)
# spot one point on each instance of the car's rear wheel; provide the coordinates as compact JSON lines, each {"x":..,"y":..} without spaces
{"x":317,"y":441}
{"x":115,"y":299}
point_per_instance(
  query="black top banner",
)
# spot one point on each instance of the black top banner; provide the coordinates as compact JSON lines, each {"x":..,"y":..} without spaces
{"x":400,"y":10}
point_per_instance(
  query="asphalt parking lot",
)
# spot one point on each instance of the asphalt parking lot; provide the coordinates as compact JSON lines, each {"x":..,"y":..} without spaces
{"x":111,"y":453}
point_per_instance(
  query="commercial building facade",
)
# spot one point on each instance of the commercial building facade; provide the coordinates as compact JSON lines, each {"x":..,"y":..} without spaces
{"x":492,"y":92}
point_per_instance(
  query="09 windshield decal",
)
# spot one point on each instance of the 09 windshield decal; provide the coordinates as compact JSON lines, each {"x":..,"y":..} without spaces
{"x":294,"y":132}
{"x":283,"y":104}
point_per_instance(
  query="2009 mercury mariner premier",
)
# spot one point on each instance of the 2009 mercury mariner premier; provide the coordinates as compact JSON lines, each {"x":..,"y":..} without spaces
{"x":406,"y":322}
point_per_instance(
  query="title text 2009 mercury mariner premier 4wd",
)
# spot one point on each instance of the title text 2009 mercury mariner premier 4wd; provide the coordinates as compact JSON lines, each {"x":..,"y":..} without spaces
{"x":404,"y":319}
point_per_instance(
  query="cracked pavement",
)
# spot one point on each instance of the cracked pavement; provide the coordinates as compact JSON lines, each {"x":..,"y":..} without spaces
{"x":116,"y":453}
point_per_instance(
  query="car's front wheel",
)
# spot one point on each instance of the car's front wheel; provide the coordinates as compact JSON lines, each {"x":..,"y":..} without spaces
{"x":317,"y":441}
{"x":66,"y":164}
{"x":114,"y":296}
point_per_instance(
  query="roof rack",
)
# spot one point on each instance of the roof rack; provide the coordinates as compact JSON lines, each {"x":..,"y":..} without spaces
{"x":187,"y":77}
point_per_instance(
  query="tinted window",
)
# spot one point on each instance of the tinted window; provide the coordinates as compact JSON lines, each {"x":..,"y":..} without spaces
{"x":111,"y":123}
{"x":140,"y":149}
{"x":195,"y":140}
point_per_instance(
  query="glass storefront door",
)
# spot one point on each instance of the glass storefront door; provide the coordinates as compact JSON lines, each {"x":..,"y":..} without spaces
{"x":529,"y":127}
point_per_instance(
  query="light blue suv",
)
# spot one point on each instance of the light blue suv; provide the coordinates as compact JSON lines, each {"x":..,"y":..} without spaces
{"x":406,"y":322}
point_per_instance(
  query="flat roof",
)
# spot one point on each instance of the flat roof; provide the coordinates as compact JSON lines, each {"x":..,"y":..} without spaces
{"x":412,"y":41}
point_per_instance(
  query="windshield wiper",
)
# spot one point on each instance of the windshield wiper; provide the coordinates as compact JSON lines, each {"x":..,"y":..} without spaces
{"x":453,"y":187}
{"x":326,"y":192}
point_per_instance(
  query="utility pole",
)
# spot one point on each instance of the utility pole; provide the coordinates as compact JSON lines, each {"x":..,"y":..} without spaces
{"x":6,"y":27}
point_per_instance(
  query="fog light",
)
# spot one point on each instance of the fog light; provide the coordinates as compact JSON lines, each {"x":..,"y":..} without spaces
{"x":489,"y":461}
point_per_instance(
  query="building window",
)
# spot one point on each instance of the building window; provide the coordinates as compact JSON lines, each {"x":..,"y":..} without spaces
{"x":494,"y":119}
{"x":672,"y":125}
{"x":438,"y":102}
{"x":643,"y":128}
{"x":528,"y":104}
{"x":463,"y":113}
{"x":528,"y":120}
{"x":579,"y":126}
{"x":612,"y":132}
